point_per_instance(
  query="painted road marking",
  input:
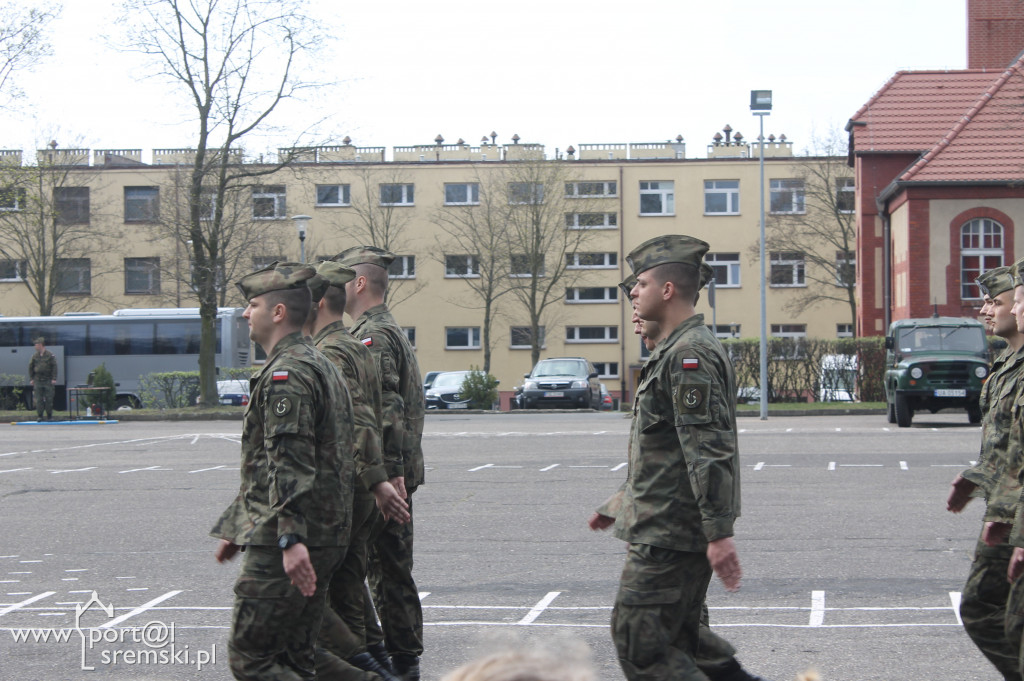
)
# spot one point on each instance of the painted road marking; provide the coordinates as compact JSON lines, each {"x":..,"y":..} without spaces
{"x":142,"y":608}
{"x":541,"y":606}
{"x":27,"y":601}
{"x":817,"y":609}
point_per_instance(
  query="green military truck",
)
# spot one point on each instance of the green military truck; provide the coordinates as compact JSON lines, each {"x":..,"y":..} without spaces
{"x":935,"y":363}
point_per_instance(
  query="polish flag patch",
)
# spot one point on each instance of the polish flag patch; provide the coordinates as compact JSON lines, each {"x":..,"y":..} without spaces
{"x":279,"y":376}
{"x":691,"y":364}
{"x":368,"y":342}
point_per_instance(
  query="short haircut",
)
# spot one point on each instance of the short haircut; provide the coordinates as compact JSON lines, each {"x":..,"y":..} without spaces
{"x":538,"y":662}
{"x":296,"y":301}
{"x":684,"y":276}
{"x":376,"y":277}
{"x":335,"y":299}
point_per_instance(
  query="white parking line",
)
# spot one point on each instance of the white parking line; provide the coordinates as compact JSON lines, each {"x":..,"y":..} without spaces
{"x":620,"y":466}
{"x":142,"y":608}
{"x":817,"y":609}
{"x":203,"y":470}
{"x":552,"y":466}
{"x":954,"y":598}
{"x":480,"y":468}
{"x":15,"y":470}
{"x":904,"y":466}
{"x":74,"y":470}
{"x":541,"y":606}
{"x":759,"y":465}
{"x":27,"y":601}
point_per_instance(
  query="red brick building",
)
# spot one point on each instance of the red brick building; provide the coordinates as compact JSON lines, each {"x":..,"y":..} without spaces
{"x":938,"y":160}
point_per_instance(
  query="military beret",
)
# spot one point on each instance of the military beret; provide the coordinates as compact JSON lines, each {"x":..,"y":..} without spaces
{"x":997,"y":280}
{"x":1015,"y":272}
{"x":335,"y":273}
{"x":358,"y":255}
{"x":277,"y":276}
{"x":707,"y":273}
{"x":665,"y":249}
{"x":317,"y":288}
{"x":627,"y":284}
{"x":39,"y":340}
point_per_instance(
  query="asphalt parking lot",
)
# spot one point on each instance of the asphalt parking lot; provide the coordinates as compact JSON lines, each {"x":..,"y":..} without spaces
{"x":852,"y":565}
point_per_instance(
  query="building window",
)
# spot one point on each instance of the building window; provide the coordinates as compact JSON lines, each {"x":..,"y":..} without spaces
{"x":607,"y":369}
{"x":846,"y":198}
{"x":207,"y":203}
{"x":12,"y":199}
{"x":604,"y":294}
{"x":787,"y":268}
{"x":410,"y":335}
{"x":591,"y":220}
{"x":526,"y":193}
{"x":522,"y":265}
{"x":141,"y":204}
{"x":461,"y":266}
{"x":591,"y":261}
{"x":74,"y":276}
{"x":141,"y":276}
{"x":591,"y":334}
{"x":844,"y":330}
{"x":71,"y":205}
{"x":644,"y":352}
{"x":726,"y":267}
{"x":981,"y":249}
{"x":397,"y":195}
{"x":725,"y":331}
{"x":13,"y":270}
{"x":787,"y":196}
{"x":268,"y":202}
{"x":403,"y":267}
{"x":657,"y":198}
{"x":521,"y":337}
{"x":788,"y":341}
{"x":589,"y":190}
{"x":846,"y":268}
{"x":333,"y":195}
{"x":721,"y":197}
{"x":462,"y":338}
{"x":462,"y":194}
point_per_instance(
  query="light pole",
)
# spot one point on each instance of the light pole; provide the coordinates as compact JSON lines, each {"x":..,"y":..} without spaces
{"x":301,"y":225}
{"x":761,"y":105}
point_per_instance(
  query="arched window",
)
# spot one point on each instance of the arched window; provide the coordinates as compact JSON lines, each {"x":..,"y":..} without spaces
{"x":981,"y":249}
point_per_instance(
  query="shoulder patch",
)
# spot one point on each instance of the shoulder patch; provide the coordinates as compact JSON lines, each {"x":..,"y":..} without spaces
{"x":368,"y":342}
{"x":691,"y":364}
{"x":281,"y":375}
{"x":282,"y":406}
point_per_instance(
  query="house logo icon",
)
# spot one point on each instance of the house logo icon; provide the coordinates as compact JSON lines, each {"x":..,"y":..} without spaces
{"x":80,"y":611}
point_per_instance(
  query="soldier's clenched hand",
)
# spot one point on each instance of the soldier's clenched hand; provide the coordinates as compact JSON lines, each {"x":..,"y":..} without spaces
{"x":960,"y":494}
{"x":300,"y":569}
{"x":225,"y":550}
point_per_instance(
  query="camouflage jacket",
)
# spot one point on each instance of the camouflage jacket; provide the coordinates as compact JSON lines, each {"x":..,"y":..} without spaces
{"x":995,"y":472}
{"x":355,"y":363}
{"x":682,"y":488}
{"x":42,"y":368}
{"x":297,"y":468}
{"x":401,"y":393}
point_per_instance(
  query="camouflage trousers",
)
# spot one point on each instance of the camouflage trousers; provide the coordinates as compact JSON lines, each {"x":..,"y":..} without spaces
{"x":657,"y":613}
{"x":42,"y":395}
{"x":394,"y":590}
{"x":273,"y":626}
{"x":983,"y":608}
{"x":330,"y":666}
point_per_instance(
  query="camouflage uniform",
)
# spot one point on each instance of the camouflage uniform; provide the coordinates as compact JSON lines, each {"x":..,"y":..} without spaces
{"x":42,"y":371}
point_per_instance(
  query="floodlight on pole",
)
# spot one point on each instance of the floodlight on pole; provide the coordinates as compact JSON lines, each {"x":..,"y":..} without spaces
{"x":761,"y":106}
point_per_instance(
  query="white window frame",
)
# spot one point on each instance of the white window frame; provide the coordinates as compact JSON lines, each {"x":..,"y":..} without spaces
{"x":518,"y":190}
{"x":610,"y":334}
{"x":796,"y":332}
{"x":665,"y":191}
{"x":844,"y":330}
{"x":472,"y":337}
{"x":342,"y":191}
{"x":725,"y":331}
{"x":512,"y":345}
{"x":402,"y":267}
{"x":572,"y":295}
{"x":276,"y":194}
{"x":730,"y":263}
{"x":846,"y":259}
{"x":846,"y":186}
{"x":787,"y":196}
{"x":607,"y":369}
{"x":585,"y":189}
{"x":12,"y":199}
{"x":513,"y":274}
{"x":148,"y":268}
{"x":472,"y":192}
{"x":730,"y":189}
{"x":470,"y":266}
{"x":983,"y":239}
{"x":795,"y":262}
{"x":407,"y":194}
{"x":610,"y":261}
{"x":610,"y":220}
{"x":18,"y":267}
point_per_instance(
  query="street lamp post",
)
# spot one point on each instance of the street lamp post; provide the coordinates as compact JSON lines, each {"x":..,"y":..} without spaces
{"x":761,"y":105}
{"x":301,"y":226}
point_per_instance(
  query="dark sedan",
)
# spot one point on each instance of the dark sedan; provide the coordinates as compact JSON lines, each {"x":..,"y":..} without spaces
{"x":446,"y":391}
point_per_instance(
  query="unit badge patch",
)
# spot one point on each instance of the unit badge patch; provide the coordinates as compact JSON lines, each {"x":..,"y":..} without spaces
{"x":692,"y":398}
{"x":282,"y":407}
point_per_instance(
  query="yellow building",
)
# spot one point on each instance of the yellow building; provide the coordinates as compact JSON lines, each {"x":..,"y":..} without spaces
{"x":129,"y":249}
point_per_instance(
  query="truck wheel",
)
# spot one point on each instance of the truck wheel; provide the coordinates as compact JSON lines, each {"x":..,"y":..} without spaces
{"x":974,"y":413}
{"x":890,"y":412}
{"x":904,"y":414}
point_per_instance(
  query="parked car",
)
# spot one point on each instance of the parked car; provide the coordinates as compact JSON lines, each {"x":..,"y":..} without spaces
{"x":232,"y":391}
{"x":445,"y":391}
{"x":606,"y":398}
{"x":562,"y":382}
{"x":428,"y":379}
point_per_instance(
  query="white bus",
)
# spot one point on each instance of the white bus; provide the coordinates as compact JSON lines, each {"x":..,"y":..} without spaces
{"x":130,"y":343}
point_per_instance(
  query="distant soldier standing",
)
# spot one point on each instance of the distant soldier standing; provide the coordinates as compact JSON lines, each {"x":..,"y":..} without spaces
{"x":293,"y":511}
{"x":42,"y":376}
{"x":391,"y":550}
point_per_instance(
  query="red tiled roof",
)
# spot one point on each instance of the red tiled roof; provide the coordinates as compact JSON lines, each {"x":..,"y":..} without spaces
{"x":986,"y":144}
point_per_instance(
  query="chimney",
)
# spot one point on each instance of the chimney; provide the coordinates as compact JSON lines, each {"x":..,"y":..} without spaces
{"x":995,"y":33}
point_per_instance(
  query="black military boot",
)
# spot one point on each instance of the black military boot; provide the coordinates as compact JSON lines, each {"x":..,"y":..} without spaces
{"x":380,"y":653}
{"x":368,"y":663}
{"x":407,"y":667}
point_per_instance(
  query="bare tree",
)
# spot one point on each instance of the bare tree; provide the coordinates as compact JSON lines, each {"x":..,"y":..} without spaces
{"x":23,"y":42}
{"x":48,"y":237}
{"x":820,"y":227}
{"x":236,"y":61}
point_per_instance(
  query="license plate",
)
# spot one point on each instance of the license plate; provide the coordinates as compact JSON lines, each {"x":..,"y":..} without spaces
{"x":457,"y":405}
{"x":225,"y":400}
{"x":962,"y":392}
{"x":554,"y":393}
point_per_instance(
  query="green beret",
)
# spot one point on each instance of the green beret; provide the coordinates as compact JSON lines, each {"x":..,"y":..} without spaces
{"x":38,"y":340}
{"x":359,"y":255}
{"x":317,"y":288}
{"x":335,"y":273}
{"x":1015,"y":273}
{"x":707,"y":273}
{"x":278,"y":276}
{"x":665,"y":249}
{"x":627,"y":284}
{"x":997,"y":280}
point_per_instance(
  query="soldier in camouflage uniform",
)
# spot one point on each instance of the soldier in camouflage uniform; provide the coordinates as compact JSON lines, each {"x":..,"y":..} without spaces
{"x":341,"y":653}
{"x":681,"y":494}
{"x":42,"y":376}
{"x":391,"y":549}
{"x":984,"y":598}
{"x":293,"y":512}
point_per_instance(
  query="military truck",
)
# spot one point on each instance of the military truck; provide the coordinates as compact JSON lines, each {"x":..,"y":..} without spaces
{"x":934,"y":363}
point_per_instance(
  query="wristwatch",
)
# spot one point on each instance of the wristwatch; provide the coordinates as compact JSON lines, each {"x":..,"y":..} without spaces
{"x":286,"y":541}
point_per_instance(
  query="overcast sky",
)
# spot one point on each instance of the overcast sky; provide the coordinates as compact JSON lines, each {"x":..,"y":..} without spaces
{"x":556,"y":72}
